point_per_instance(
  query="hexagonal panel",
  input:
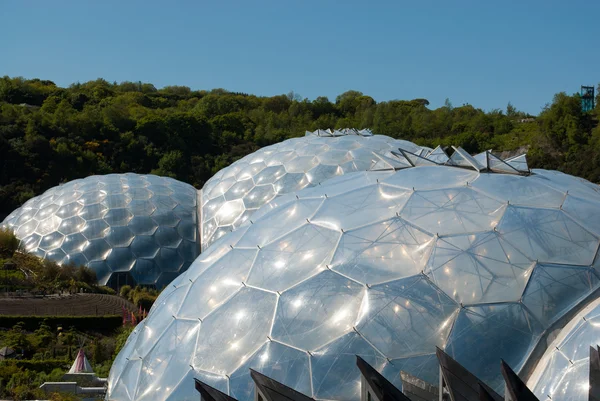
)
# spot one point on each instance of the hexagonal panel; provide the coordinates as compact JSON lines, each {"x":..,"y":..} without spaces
{"x":383,"y":251}
{"x":277,"y":361}
{"x":51,"y":241}
{"x":119,"y":236}
{"x":407,"y":317}
{"x":221,"y":347}
{"x":167,"y":237}
{"x":157,"y":362}
{"x":556,"y":289}
{"x":293,"y":257}
{"x":548,"y":236}
{"x":479,"y":268}
{"x":141,"y":207}
{"x":492,"y":332}
{"x":69,"y":210}
{"x":120,"y":260}
{"x":334,"y":372}
{"x":97,"y":249}
{"x":74,"y":243}
{"x":142,"y":225}
{"x":360,"y":207}
{"x":71,"y":225}
{"x":453,"y":211}
{"x":169,"y":260}
{"x":144,"y":246}
{"x":317,"y":310}
{"x":95,"y":229}
{"x":519,"y":190}
{"x":118,"y":217}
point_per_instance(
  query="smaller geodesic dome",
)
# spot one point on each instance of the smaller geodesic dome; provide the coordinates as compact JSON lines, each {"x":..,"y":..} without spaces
{"x":562,"y":374}
{"x":129,"y":228}
{"x":232,"y":195}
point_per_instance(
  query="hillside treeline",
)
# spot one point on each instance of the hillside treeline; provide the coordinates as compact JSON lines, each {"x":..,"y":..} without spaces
{"x":50,"y":134}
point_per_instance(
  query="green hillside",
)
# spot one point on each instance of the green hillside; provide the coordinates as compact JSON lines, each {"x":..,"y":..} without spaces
{"x":50,"y":134}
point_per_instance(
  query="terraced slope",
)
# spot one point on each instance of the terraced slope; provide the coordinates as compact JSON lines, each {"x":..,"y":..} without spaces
{"x":72,"y":305}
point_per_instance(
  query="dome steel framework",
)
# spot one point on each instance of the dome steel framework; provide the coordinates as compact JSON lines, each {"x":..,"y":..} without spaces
{"x":386,"y":265}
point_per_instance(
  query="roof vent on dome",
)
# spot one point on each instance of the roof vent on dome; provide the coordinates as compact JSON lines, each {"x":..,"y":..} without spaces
{"x":438,"y":155}
{"x":461,"y":158}
{"x":519,"y":163}
{"x":389,"y":161}
{"x":482,"y":162}
{"x":341,"y":132}
{"x":414,"y":159}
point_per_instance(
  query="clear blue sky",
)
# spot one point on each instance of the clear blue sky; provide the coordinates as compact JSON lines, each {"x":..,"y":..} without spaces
{"x":486,"y":53}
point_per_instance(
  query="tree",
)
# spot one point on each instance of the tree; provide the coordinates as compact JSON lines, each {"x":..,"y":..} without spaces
{"x":294,"y":97}
{"x":9,"y":243}
{"x":511,"y":111}
{"x":16,"y":337}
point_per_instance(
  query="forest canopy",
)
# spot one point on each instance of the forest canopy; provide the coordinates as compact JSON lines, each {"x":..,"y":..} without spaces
{"x":50,"y":135}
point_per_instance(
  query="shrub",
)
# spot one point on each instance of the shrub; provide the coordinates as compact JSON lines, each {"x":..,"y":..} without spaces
{"x":47,"y":365}
{"x":122,"y":337}
{"x":81,"y":323}
{"x":105,"y":290}
{"x":125,"y":290}
{"x":144,"y":299}
{"x":9,"y":242}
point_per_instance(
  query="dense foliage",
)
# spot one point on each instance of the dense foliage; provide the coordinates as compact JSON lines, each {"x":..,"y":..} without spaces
{"x":45,"y":354}
{"x":50,"y":134}
{"x":32,"y":274}
{"x":142,"y":297}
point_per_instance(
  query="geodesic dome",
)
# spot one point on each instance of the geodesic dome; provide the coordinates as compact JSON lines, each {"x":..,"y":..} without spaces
{"x":384,"y":265}
{"x":232,"y":195}
{"x":130,"y":226}
{"x":562,"y":374}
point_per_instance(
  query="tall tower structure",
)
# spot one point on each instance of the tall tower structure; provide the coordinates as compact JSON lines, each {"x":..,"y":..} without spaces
{"x":587,"y":98}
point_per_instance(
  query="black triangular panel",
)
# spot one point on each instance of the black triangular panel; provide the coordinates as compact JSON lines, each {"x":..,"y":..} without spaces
{"x":460,"y":383}
{"x":594,"y":374}
{"x":272,"y":390}
{"x":484,"y":395}
{"x":208,"y":393}
{"x":514,"y":385}
{"x":384,"y":390}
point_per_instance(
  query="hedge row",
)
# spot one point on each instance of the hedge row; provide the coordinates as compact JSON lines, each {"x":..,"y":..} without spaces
{"x":81,"y":323}
{"x":46,"y":365}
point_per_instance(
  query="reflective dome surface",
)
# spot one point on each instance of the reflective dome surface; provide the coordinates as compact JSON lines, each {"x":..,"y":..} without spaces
{"x":141,"y":225}
{"x":563,"y":372}
{"x":385,"y":265}
{"x":231,"y":197}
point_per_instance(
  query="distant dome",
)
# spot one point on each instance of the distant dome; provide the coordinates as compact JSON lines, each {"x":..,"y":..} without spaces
{"x":232,"y":195}
{"x":384,"y":265}
{"x":123,"y":226}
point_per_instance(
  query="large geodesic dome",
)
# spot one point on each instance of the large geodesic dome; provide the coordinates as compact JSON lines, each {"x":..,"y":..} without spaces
{"x":562,"y":374}
{"x":385,"y":265}
{"x":129,"y":228}
{"x":231,"y":197}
